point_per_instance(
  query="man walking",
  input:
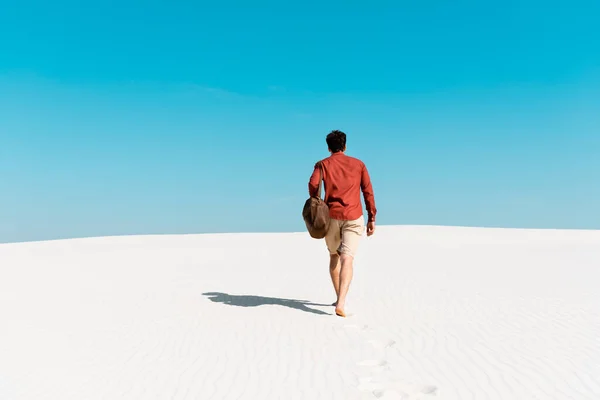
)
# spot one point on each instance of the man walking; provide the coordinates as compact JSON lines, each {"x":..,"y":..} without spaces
{"x":344,"y":178}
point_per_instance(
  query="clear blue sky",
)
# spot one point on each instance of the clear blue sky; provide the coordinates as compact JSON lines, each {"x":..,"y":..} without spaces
{"x":187,"y":117}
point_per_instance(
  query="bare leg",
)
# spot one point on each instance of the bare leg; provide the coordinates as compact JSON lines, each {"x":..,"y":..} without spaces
{"x":345,"y":279}
{"x":334,"y":271}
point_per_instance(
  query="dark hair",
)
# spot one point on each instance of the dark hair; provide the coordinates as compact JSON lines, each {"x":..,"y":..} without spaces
{"x":336,"y":140}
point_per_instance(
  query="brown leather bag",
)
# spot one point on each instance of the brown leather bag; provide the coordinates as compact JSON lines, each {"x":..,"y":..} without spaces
{"x":316,"y":213}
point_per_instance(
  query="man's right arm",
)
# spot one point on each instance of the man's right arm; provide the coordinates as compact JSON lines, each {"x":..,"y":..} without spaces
{"x":367,"y":189}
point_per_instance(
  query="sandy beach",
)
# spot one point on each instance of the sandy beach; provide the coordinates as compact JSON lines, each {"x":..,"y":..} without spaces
{"x":435,"y":313}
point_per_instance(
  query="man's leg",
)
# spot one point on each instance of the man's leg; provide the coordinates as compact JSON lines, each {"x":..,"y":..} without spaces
{"x":333,"y":240}
{"x":347,"y":270}
{"x":352,"y":232}
{"x":334,"y":270}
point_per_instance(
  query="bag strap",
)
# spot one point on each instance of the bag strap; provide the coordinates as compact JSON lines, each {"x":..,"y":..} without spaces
{"x":321,"y":179}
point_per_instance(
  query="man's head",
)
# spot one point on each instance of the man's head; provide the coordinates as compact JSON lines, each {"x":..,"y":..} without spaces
{"x":336,"y":141}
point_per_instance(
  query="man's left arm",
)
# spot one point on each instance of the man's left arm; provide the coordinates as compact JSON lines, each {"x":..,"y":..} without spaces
{"x":314,"y":182}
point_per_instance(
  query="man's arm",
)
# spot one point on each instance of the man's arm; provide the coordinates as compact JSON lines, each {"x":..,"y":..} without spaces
{"x":367,"y":189}
{"x":314,"y":182}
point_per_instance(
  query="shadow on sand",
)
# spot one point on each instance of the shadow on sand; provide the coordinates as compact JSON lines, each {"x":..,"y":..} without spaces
{"x":255,"y":301}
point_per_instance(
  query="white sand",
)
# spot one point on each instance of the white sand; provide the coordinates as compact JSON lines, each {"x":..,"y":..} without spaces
{"x":438,"y":313}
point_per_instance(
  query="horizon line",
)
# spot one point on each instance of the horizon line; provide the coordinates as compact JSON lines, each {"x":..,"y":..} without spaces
{"x":237,"y":233}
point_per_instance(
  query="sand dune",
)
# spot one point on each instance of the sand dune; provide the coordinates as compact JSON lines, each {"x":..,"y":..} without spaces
{"x":437,"y":313}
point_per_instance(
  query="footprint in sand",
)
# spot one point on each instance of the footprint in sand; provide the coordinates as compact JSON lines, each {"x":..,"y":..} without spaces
{"x":383,"y":385}
{"x":374,"y":366}
{"x":428,"y":389}
{"x":390,"y":395}
{"x":371,"y":384}
{"x":381,"y":344}
{"x":396,"y":390}
{"x":409,"y":391}
{"x":372,"y":363}
{"x":356,"y":327}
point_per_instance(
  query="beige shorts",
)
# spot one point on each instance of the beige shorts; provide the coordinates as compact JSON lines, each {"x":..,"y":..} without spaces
{"x":343,"y":237}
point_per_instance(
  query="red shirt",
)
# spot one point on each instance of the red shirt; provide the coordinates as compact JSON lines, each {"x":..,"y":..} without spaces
{"x":345,"y":177}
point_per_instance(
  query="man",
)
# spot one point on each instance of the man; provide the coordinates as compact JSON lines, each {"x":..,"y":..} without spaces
{"x":344,"y":179}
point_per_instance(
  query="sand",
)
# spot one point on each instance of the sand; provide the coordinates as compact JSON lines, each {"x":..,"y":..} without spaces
{"x":436,"y":313}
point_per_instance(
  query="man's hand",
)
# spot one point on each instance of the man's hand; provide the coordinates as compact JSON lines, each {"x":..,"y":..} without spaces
{"x":370,"y":228}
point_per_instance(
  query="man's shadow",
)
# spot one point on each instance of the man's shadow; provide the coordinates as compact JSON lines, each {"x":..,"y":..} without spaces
{"x":255,"y":301}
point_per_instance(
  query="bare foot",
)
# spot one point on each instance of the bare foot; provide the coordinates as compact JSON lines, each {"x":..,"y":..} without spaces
{"x":339,"y":312}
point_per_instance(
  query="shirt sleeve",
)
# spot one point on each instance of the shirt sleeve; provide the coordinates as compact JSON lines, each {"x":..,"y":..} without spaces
{"x":367,"y":189}
{"x":314,"y":181}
